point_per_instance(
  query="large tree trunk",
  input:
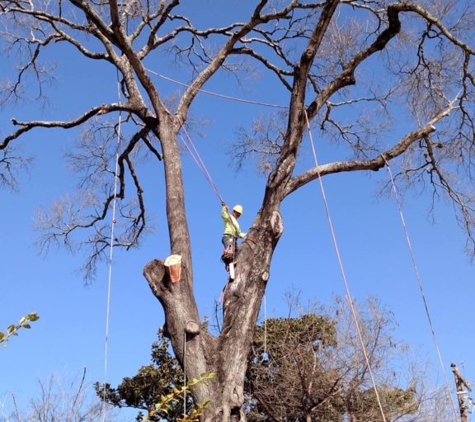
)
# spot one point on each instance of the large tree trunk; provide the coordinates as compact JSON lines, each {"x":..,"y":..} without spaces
{"x":226,"y":355}
{"x":197,"y":350}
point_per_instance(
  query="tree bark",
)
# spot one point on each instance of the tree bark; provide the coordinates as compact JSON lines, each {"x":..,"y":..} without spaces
{"x":226,"y":355}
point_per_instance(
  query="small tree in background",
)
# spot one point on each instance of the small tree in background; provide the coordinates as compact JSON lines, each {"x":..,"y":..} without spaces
{"x":312,"y":368}
{"x":60,"y":400}
{"x":150,"y":385}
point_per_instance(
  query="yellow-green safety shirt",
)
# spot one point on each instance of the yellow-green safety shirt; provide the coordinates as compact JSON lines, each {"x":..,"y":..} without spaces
{"x":231,"y":225}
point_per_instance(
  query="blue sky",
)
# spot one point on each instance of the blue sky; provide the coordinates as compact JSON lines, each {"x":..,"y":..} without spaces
{"x":70,"y":335}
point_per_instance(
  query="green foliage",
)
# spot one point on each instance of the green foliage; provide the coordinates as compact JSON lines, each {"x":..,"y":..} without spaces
{"x":13,"y":329}
{"x":282,"y":369}
{"x":167,"y":404}
{"x":319,"y":331}
{"x":152,"y":382}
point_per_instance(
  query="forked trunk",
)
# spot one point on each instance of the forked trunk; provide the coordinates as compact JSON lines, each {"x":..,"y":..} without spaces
{"x":224,"y":355}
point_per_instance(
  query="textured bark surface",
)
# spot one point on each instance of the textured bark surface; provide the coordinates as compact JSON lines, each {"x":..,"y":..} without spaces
{"x":226,"y":355}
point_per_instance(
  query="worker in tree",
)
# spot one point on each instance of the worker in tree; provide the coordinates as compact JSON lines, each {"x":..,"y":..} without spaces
{"x":231,"y":231}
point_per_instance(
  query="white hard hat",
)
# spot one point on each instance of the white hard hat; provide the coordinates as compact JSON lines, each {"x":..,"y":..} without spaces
{"x":238,"y":208}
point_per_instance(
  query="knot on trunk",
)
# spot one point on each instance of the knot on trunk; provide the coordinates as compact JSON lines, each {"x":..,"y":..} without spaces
{"x":309,"y":53}
{"x":192,"y":328}
{"x":276,"y":223}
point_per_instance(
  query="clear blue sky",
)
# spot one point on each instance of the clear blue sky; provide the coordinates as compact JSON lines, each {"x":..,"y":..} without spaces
{"x":70,"y":335}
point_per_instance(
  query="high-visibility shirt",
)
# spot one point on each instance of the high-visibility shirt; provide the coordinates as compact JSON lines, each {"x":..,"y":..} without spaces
{"x":231,"y":225}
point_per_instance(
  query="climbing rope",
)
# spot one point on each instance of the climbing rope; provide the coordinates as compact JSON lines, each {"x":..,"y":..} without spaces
{"x":111,"y":253}
{"x":215,"y":94}
{"x":199,"y":161}
{"x":184,"y":374}
{"x":419,"y":282}
{"x":190,"y":146}
{"x":345,"y":280}
{"x":264,"y":305}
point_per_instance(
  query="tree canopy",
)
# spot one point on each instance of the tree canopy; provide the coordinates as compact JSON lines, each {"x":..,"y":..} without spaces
{"x":348,"y":72}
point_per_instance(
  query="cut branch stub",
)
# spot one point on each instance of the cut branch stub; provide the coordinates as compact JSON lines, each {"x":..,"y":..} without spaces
{"x":157,"y":276}
{"x":173,"y":265}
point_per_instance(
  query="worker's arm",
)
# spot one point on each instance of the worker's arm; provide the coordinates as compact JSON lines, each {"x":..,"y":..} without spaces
{"x":224,"y":212}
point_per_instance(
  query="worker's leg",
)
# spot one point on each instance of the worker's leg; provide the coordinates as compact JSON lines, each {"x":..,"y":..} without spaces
{"x":227,"y":242}
{"x":228,"y":253}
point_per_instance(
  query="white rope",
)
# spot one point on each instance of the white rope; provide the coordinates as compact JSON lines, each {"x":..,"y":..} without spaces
{"x":265,"y":325}
{"x":111,"y":252}
{"x":419,"y":282}
{"x":340,"y":263}
{"x":184,"y":374}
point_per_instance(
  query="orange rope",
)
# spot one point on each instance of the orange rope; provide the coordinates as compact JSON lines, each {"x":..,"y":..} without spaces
{"x":227,"y":97}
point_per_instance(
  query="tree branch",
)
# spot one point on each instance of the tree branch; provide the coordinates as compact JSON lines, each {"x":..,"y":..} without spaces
{"x":374,"y":164}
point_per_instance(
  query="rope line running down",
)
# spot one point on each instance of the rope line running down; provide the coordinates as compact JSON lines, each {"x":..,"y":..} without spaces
{"x":419,"y":283}
{"x":111,"y":254}
{"x":343,"y":274}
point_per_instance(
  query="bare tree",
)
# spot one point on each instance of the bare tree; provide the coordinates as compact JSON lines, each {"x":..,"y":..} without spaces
{"x":59,"y":400}
{"x":311,"y":367}
{"x":348,"y":68}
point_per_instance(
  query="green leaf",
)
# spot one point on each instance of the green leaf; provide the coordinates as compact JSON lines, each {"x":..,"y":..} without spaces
{"x":33,"y":316}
